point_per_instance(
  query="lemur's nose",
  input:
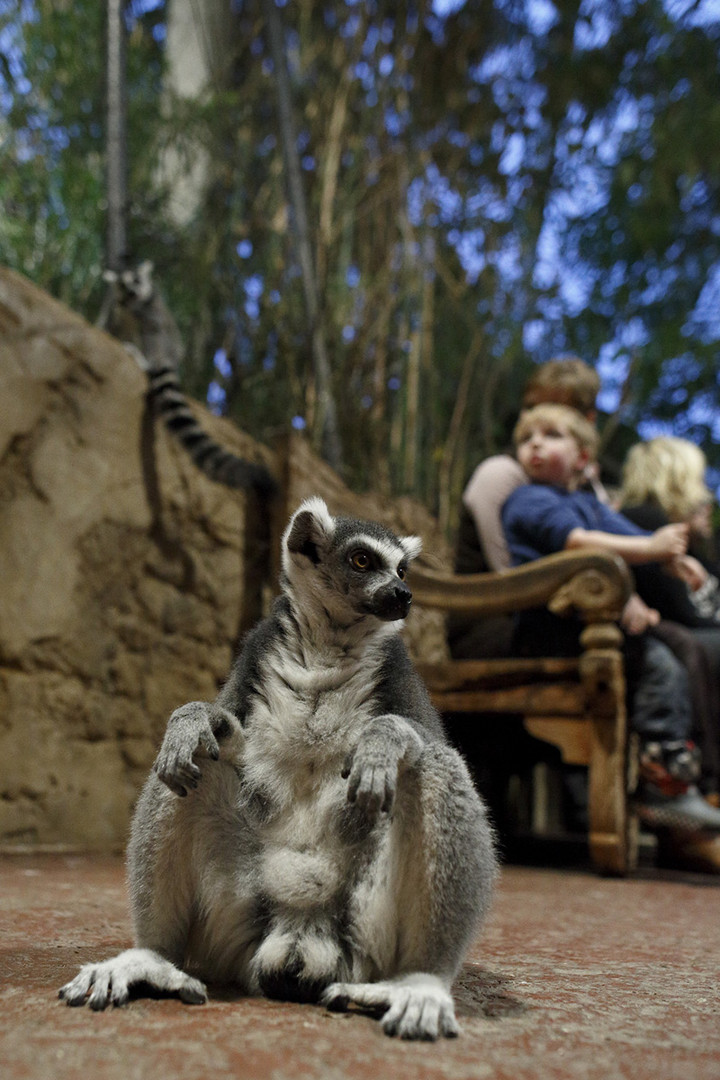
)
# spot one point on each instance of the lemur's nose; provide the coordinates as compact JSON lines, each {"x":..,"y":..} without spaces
{"x":402,"y":598}
{"x":391,"y":602}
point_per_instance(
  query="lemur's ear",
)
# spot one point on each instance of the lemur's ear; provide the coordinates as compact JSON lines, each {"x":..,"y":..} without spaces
{"x":411,"y":545}
{"x":310,"y":530}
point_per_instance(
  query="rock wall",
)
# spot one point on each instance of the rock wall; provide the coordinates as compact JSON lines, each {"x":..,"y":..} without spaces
{"x":126,"y":576}
{"x":123,"y":576}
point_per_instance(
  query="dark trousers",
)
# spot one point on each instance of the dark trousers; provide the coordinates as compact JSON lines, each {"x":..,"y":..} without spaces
{"x":699,"y":652}
{"x":659,"y":691}
{"x":659,"y":704}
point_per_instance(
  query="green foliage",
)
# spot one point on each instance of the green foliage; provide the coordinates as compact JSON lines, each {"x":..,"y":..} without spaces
{"x":486,"y":189}
{"x":654,"y":243}
{"x":52,"y":199}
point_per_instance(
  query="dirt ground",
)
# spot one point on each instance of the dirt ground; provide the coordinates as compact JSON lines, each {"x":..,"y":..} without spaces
{"x":575,"y":976}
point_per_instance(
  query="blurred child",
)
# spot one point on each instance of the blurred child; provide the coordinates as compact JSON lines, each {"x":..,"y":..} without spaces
{"x":481,"y":543}
{"x":567,"y":381}
{"x":664,"y":480}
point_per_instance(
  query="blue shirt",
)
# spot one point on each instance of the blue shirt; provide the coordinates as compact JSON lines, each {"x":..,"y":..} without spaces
{"x":537,"y":520}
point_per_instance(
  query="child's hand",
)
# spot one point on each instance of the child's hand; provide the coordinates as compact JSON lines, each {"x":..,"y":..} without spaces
{"x":689,"y":570}
{"x":669,"y":541}
{"x":637,"y":616}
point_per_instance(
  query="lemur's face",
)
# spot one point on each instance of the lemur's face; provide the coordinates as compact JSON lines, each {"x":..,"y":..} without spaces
{"x":370,"y":568}
{"x":355,"y":568}
{"x":135,"y":285}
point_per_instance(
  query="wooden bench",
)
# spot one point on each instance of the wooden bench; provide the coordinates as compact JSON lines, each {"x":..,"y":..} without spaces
{"x":576,"y":704}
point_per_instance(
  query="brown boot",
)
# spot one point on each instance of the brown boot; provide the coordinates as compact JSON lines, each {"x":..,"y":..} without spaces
{"x":689,"y":851}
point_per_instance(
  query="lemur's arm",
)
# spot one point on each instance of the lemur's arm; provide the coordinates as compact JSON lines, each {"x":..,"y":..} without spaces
{"x":402,"y":691}
{"x":198,"y":729}
{"x":394,"y":740}
{"x":244,"y":677}
{"x":214,"y":730}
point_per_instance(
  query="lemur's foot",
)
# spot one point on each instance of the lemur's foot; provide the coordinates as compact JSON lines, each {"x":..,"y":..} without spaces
{"x":110,"y":982}
{"x":412,"y":1006}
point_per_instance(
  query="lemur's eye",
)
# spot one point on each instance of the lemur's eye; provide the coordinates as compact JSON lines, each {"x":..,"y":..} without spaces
{"x":360,"y":560}
{"x":401,"y":572}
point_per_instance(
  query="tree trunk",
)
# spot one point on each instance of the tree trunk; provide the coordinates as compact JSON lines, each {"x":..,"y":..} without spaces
{"x":116,"y":169}
{"x":446,"y":473}
{"x":200,"y":53}
{"x":326,"y":424}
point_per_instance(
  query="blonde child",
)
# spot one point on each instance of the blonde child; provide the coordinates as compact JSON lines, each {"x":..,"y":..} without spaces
{"x":664,"y":480}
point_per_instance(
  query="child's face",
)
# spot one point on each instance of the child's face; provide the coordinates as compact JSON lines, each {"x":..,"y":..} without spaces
{"x":550,"y":455}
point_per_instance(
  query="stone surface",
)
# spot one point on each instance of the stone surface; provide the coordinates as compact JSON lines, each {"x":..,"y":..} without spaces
{"x":575,"y":978}
{"x":123,"y":592}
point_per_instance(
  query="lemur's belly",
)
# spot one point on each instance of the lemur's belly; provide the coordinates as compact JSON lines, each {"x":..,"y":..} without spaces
{"x":300,"y":879}
{"x":304,"y":857}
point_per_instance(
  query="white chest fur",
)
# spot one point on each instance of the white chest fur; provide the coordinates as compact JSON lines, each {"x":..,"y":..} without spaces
{"x":307,"y":716}
{"x":303,"y":724}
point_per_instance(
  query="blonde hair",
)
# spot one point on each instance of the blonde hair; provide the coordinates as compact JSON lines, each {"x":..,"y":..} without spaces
{"x":568,"y":421}
{"x":669,"y":472}
{"x":569,"y":381}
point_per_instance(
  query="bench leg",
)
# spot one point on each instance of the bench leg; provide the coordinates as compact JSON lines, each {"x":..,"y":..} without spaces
{"x":613,"y":828}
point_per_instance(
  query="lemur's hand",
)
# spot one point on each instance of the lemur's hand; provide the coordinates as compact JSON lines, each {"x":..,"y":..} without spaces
{"x":372,"y":768}
{"x":372,"y":780}
{"x":194,"y":731}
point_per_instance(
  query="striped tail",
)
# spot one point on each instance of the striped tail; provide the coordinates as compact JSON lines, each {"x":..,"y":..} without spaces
{"x":219,"y":464}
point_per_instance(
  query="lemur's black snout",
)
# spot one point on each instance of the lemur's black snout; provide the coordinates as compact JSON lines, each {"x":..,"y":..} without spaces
{"x":392,"y":602}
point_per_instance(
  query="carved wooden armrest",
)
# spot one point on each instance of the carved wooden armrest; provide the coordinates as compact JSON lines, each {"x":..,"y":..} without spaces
{"x":595,"y":584}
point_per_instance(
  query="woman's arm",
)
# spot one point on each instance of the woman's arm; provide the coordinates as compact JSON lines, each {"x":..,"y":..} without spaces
{"x":490,"y":485}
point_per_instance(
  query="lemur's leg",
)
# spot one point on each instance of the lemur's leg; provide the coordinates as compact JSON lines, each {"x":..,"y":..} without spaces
{"x":161,"y":887}
{"x":161,"y":863}
{"x":419,"y":903}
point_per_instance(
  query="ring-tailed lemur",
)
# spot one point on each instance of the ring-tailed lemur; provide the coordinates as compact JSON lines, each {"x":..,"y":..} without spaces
{"x":136,"y":314}
{"x":333,"y":848}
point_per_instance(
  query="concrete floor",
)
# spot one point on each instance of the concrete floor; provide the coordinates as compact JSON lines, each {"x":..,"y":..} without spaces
{"x":575,"y":977}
